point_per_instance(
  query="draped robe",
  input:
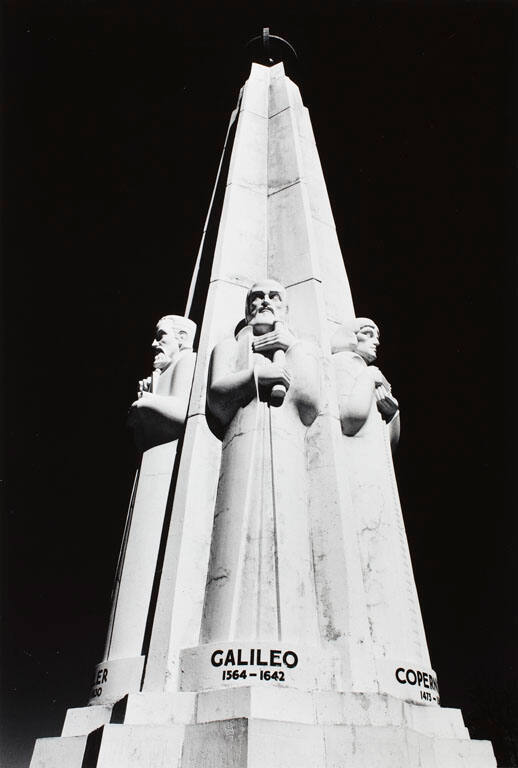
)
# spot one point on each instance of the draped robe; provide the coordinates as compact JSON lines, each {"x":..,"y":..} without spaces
{"x":392,"y":604}
{"x":260,"y":583}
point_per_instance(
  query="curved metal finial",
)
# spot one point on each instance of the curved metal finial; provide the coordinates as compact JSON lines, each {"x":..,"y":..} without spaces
{"x":269,"y":56}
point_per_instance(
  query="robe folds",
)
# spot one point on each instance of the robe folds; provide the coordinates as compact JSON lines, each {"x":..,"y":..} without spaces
{"x":260,"y":583}
{"x":385,"y":558}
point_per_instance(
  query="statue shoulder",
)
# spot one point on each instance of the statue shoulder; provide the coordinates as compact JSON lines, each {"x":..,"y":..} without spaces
{"x":184,"y":366}
{"x":178,"y":376}
{"x":223,"y":358}
{"x":350,"y":361}
{"x":186,"y":359}
{"x":224,"y":348}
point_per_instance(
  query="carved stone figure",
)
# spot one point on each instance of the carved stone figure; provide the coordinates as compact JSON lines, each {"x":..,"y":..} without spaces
{"x":369,"y":416}
{"x":158,"y":415}
{"x":362,"y":384}
{"x":263,"y":392}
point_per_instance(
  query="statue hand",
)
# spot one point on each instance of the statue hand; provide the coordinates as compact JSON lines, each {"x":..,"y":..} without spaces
{"x":270,"y":375}
{"x":143,"y":400}
{"x":378,"y":378}
{"x":386,"y":403}
{"x":144,"y":385}
{"x":280,"y":338}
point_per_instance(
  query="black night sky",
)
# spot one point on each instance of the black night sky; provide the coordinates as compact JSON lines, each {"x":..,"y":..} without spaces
{"x":115,"y":117}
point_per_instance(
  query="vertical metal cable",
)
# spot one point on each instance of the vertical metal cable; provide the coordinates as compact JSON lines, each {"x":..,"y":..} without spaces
{"x":120,"y":563}
{"x":275,"y":543}
{"x":194,"y":278}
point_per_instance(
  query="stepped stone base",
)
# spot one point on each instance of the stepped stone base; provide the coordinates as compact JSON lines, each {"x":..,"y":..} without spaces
{"x":58,"y":752}
{"x":263,"y":728}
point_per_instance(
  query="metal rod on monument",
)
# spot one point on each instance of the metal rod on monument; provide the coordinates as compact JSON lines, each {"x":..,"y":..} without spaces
{"x":199,"y":255}
{"x":278,"y":392}
{"x":265,"y":44}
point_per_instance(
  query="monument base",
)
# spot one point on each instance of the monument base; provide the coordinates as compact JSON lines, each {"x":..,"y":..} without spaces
{"x":255,"y":727}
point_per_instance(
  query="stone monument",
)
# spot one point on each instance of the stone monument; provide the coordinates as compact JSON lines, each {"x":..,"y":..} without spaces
{"x":285,"y":631}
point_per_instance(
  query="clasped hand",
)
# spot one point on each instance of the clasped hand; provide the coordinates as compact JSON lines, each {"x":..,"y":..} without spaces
{"x":143,"y":399}
{"x":144,"y":394}
{"x":144,"y":385}
{"x":386,"y":403}
{"x":280,"y":338}
{"x":270,"y":375}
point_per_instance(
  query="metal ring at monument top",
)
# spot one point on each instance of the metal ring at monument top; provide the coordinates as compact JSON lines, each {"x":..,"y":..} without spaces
{"x":266,"y":39}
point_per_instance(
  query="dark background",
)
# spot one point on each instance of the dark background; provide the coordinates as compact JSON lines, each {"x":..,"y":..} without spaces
{"x":116,"y":115}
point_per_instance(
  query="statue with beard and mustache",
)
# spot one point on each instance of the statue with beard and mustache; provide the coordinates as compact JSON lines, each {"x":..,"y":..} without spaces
{"x":158,"y":418}
{"x":158,"y":414}
{"x":263,"y":394}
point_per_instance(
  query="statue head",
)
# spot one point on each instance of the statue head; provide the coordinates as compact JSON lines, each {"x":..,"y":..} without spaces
{"x":173,"y":334}
{"x":266,"y":303}
{"x":360,"y":335}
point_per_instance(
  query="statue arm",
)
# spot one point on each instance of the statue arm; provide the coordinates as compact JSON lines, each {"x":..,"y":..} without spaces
{"x":161,"y":418}
{"x":388,"y":407}
{"x":228,"y":389}
{"x":370,"y":385}
{"x":173,"y":407}
{"x":394,"y":427}
{"x":355,"y":408}
{"x":304,"y":358}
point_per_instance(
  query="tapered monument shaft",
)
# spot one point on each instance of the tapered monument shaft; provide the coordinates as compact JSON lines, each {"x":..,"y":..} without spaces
{"x":286,"y":631}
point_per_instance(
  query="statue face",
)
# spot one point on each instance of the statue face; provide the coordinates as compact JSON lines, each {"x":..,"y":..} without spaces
{"x":368,"y":338}
{"x":266,"y":303}
{"x":166,"y":344}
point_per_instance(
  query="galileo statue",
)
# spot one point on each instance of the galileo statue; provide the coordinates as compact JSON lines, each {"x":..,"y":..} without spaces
{"x":263,"y":394}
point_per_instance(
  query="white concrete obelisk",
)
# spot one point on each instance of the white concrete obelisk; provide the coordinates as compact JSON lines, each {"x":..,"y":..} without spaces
{"x":287,"y":631}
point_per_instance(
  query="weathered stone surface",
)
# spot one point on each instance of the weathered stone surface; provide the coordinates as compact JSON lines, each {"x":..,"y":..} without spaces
{"x":267,"y":702}
{"x":255,"y":91}
{"x":222,"y":744}
{"x":240,"y":254}
{"x":140,"y":746}
{"x":274,"y":727}
{"x":184,"y":573}
{"x":161,"y":708}
{"x":292,"y":252}
{"x":147,"y":517}
{"x":284,"y":158}
{"x":336,"y":290}
{"x":248,"y":166}
{"x":80,"y":721}
{"x":56,"y":752}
